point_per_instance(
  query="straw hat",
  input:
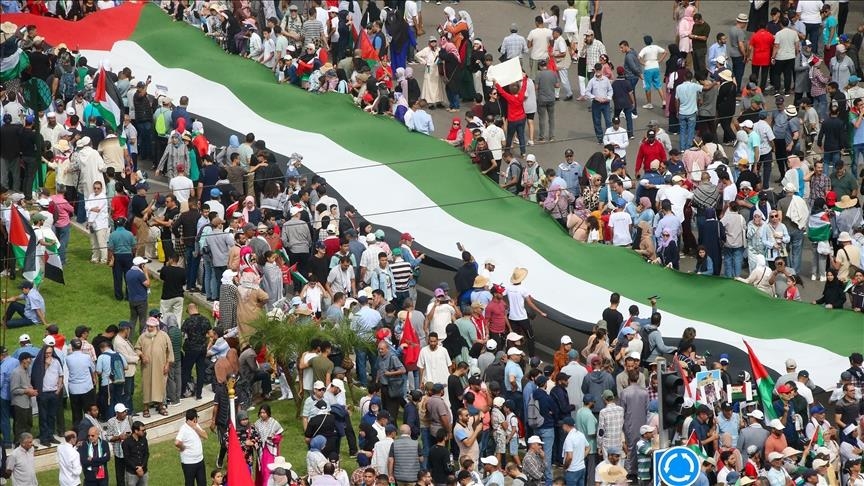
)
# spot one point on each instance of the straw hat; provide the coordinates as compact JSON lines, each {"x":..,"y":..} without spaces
{"x":846,"y":202}
{"x":279,"y":461}
{"x":303,"y":310}
{"x":518,"y":275}
{"x":609,"y":473}
{"x":480,"y":281}
{"x":63,"y":145}
{"x":726,"y":75}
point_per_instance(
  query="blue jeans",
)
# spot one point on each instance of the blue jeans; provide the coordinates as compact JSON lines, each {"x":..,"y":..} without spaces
{"x":362,"y":357}
{"x":122,"y":264}
{"x":192,"y":263}
{"x":145,"y":139}
{"x":208,"y":272}
{"x":216,"y":280}
{"x":733,"y":260}
{"x":633,"y":83}
{"x":516,"y":128}
{"x":426,"y":439}
{"x":548,"y":437}
{"x":628,"y":119}
{"x":17,"y":308}
{"x":128,"y":390}
{"x":452,"y":98}
{"x":80,"y":210}
{"x":574,"y":478}
{"x":796,"y":244}
{"x":6,"y":422}
{"x":48,"y":403}
{"x":596,"y":110}
{"x":63,"y":237}
{"x":820,"y":103}
{"x":738,"y":69}
{"x":831,"y":158}
{"x":857,"y":149}
{"x":813,"y":32}
{"x":688,"y":131}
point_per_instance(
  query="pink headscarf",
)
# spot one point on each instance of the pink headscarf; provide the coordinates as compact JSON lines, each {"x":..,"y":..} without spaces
{"x":245,"y":209}
{"x":685,"y":28}
{"x":450,"y":47}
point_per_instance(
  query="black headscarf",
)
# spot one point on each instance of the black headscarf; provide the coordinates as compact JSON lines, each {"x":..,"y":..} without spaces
{"x":454,"y":343}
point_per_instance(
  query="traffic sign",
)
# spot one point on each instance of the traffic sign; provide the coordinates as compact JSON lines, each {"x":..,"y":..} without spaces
{"x":676,"y":466}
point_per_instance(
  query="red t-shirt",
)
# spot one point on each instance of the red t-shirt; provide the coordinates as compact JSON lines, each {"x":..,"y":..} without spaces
{"x":762,"y":42}
{"x":119,"y":206}
{"x":496,"y":314}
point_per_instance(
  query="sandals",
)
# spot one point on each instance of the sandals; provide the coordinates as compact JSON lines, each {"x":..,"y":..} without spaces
{"x":146,"y":413}
{"x":163,"y":410}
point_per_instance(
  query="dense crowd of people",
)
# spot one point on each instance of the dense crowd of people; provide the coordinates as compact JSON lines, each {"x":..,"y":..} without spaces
{"x":455,"y":391}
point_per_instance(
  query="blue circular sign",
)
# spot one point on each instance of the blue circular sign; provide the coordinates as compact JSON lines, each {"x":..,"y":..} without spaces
{"x":679,"y":466}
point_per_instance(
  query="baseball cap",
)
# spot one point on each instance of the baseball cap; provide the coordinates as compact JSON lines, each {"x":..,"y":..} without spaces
{"x":776,"y":424}
{"x":23,"y":338}
{"x":568,"y":421}
{"x":607,"y":394}
{"x":49,"y":340}
{"x":757,"y":414}
{"x":724,"y":358}
{"x":491,"y":345}
{"x":139,"y":261}
{"x":784,"y":389}
{"x":645,"y":429}
{"x":215,"y":192}
{"x":566,"y":340}
{"x":318,"y":385}
{"x":491,"y":460}
{"x":439,"y":292}
{"x":120,"y":408}
{"x":588,"y":398}
{"x":514,"y":351}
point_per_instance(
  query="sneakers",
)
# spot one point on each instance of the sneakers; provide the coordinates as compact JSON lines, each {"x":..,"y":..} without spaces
{"x":822,"y":278}
{"x":648,"y":106}
{"x":531,"y":142}
{"x":634,"y":116}
{"x":813,"y":277}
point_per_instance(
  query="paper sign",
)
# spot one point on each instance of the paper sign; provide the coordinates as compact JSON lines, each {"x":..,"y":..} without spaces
{"x":508,"y":72}
{"x":161,"y":90}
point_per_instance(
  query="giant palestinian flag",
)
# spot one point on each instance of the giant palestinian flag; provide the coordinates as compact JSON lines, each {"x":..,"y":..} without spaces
{"x":439,"y":197}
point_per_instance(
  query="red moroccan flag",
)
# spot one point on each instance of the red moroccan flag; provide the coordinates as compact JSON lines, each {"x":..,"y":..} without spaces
{"x":551,"y":64}
{"x":238,"y":470}
{"x":323,"y":56}
{"x":367,"y":50}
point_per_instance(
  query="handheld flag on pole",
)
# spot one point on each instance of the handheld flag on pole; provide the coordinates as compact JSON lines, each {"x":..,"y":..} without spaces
{"x":764,"y":384}
{"x":238,"y":470}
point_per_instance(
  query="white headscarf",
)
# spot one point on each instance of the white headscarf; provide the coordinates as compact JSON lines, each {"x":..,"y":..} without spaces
{"x":467,"y":18}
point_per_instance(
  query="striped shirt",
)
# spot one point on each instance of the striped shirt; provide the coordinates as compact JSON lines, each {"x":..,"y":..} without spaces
{"x":514,"y":45}
{"x":643,"y":459}
{"x":312,"y":31}
{"x":402,"y":274}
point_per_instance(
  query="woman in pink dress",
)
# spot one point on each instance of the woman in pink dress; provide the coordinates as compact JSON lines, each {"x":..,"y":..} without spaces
{"x":685,"y":28}
{"x":270,"y":432}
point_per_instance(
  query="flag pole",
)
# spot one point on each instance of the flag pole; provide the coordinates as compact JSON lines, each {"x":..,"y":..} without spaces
{"x":232,"y":397}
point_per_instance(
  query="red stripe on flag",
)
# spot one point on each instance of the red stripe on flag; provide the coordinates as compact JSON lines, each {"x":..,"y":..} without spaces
{"x":238,"y":470}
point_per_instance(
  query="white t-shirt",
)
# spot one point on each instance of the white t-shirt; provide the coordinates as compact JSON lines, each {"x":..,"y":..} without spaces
{"x":435,"y":364}
{"x":181,"y":186}
{"x":620,"y":222}
{"x":334,"y":24}
{"x":321,"y":15}
{"x":540,"y":38}
{"x":729,"y":193}
{"x":410,"y":12}
{"x":786,"y":39}
{"x":516,"y":295}
{"x":570,"y":16}
{"x":307,"y":372}
{"x":192,"y":452}
{"x":678,"y":196}
{"x":444,"y":314}
{"x":809,"y":10}
{"x":650,"y":55}
{"x":269,"y":55}
{"x":576,"y":443}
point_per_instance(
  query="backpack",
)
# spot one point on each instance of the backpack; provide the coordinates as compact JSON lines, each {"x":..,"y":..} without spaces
{"x":533,"y":418}
{"x":161,"y":125}
{"x":518,"y":187}
{"x":646,"y":344}
{"x":67,"y":84}
{"x":199,"y":249}
{"x":118,"y":369}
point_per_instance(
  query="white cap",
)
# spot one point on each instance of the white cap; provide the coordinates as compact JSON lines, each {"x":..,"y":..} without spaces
{"x":498,"y":401}
{"x":348,"y":303}
{"x":120,"y":408}
{"x":338,"y":384}
{"x":634,"y":355}
{"x":295,"y":210}
{"x":23,"y":338}
{"x":49,"y":340}
{"x":531,"y":158}
{"x":645,"y":429}
{"x":566,"y":340}
{"x":776,"y":424}
{"x":139,"y":260}
{"x":774,"y":456}
{"x":535,"y":440}
{"x":490,"y":261}
{"x":228,"y":273}
{"x":757,"y":414}
{"x":791,"y":363}
{"x":491,"y":460}
{"x":51,"y":114}
{"x":70,"y":111}
{"x":514,"y":350}
{"x":747,"y":124}
{"x":514,"y":337}
{"x":318,"y":385}
{"x":819,"y":463}
{"x":491,"y":345}
{"x":370,"y":238}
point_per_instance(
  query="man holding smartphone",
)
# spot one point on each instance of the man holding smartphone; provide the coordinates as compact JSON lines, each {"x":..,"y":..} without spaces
{"x":188,"y":442}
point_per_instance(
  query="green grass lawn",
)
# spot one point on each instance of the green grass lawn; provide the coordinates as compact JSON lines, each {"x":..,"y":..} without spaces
{"x":88,"y":298}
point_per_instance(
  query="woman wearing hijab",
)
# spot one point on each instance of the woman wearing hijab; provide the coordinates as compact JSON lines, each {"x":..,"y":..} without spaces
{"x":478,"y":67}
{"x":433,"y":84}
{"x":270,"y":431}
{"x":558,"y":201}
{"x":400,"y":38}
{"x":577,"y":221}
{"x":667,"y":250}
{"x":413,"y":93}
{"x":455,"y":344}
{"x":452,"y":69}
{"x":833,"y":296}
{"x":760,"y":276}
{"x":461,"y":30}
{"x":456,"y":135}
{"x":315,"y":459}
{"x":224,"y":156}
{"x":685,"y":28}
{"x":711,"y":238}
{"x":755,"y":245}
{"x":251,"y":214}
{"x":175,"y":153}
